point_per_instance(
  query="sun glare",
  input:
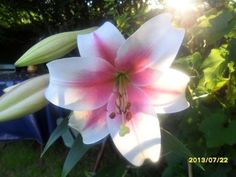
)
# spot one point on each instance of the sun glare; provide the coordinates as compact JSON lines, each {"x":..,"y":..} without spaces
{"x":181,"y":5}
{"x":154,"y":4}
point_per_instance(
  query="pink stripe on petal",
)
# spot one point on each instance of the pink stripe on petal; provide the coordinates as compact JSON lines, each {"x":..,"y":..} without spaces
{"x":80,"y":83}
{"x":91,"y":124}
{"x":145,"y":77}
{"x":135,"y":60}
{"x":103,"y":50}
{"x":144,"y":42}
{"x":167,"y":88}
{"x":111,"y":106}
{"x":78,"y":98}
{"x":95,"y":119}
{"x":88,"y":79}
{"x":139,"y":100}
{"x":104,"y":42}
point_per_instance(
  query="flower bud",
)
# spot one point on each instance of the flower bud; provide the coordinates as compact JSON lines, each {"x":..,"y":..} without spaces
{"x":51,"y":48}
{"x":8,"y":89}
{"x":24,"y":99}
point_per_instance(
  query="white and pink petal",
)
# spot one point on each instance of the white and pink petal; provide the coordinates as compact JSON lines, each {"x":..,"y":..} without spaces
{"x":142,"y":142}
{"x":79,"y":83}
{"x":178,"y":105}
{"x":144,"y":139}
{"x":104,"y":43}
{"x":155,"y":42}
{"x":91,"y":124}
{"x":167,"y":89}
{"x":145,"y":77}
{"x":168,"y":48}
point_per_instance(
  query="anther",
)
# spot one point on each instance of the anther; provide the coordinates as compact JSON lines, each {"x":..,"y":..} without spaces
{"x":128,"y":105}
{"x":128,"y":116}
{"x":112,"y":115}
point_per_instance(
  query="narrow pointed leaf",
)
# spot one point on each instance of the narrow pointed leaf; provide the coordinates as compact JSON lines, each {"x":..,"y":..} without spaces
{"x":173,"y":144}
{"x":68,"y":135}
{"x":75,"y":154}
{"x":57,"y":133}
{"x":52,"y":47}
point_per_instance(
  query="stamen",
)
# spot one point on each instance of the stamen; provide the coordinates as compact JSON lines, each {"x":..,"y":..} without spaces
{"x":128,"y":116}
{"x":118,"y":111}
{"x":112,"y":115}
{"x":128,"y":105}
{"x":122,"y":104}
{"x":118,"y":101}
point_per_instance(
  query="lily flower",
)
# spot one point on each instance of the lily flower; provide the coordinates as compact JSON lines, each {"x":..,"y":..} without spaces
{"x":117,"y":86}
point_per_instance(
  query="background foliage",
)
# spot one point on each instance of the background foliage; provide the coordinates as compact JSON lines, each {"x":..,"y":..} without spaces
{"x":208,"y":55}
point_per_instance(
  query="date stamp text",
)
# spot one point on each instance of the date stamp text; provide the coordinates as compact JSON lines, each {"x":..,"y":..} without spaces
{"x":208,"y":160}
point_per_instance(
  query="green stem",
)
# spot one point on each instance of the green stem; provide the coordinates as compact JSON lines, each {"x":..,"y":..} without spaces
{"x":99,"y":157}
{"x":190,"y":170}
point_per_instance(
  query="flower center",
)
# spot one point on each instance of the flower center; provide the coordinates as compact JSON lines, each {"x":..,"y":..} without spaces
{"x":122,"y":102}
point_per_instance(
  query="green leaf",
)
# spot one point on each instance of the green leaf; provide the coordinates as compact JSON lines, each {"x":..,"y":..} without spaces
{"x":57,"y":133}
{"x":231,"y":48}
{"x":189,"y":63}
{"x":50,"y":48}
{"x":75,"y":154}
{"x":213,"y":60}
{"x":174,"y":169}
{"x":213,"y":70}
{"x":173,"y":144}
{"x":231,"y":89}
{"x":212,"y":28}
{"x":217,"y":171}
{"x":68,"y":135}
{"x":218,"y":130}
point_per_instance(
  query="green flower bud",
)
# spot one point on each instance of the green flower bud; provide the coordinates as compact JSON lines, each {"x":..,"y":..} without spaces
{"x":8,"y":89}
{"x":24,"y":99}
{"x":51,"y":48}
